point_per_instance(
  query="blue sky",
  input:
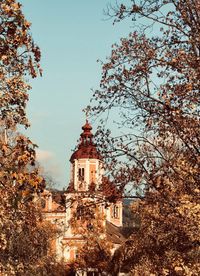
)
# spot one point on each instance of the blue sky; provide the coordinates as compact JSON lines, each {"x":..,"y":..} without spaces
{"x":72,"y":35}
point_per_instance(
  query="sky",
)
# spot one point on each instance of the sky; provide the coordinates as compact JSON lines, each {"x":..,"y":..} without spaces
{"x":72,"y":36}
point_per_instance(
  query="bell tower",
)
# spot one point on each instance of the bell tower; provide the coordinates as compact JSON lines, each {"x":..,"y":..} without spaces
{"x":88,"y":210}
{"x":86,"y":163}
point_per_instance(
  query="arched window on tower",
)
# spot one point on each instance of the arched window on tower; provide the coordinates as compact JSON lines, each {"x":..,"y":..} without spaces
{"x":81,"y":174}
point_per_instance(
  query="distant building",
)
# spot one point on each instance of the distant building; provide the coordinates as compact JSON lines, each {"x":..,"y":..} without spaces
{"x":86,"y":188}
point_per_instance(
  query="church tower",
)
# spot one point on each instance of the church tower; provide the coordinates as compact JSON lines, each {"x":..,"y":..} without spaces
{"x":87,"y":212}
{"x":86,"y":177}
{"x":86,"y":164}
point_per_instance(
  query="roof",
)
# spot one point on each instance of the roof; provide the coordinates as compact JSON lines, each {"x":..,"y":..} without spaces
{"x":114,"y":233}
{"x":86,"y":148}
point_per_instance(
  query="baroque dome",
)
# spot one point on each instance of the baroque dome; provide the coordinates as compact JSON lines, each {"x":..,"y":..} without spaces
{"x":86,"y":147}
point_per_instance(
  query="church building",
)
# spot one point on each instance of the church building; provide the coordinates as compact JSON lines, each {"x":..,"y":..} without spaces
{"x":87,"y":209}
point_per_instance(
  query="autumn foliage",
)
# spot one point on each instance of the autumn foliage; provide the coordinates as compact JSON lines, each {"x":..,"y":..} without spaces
{"x":151,"y":84}
{"x":93,"y":246}
{"x":24,"y":237}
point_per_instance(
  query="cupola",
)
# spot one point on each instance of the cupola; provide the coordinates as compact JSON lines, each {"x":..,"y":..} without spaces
{"x":86,"y":148}
{"x":86,"y":163}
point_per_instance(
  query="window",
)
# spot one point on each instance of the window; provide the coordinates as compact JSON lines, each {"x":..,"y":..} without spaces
{"x":90,"y":226}
{"x":84,"y":212}
{"x":116,"y":211}
{"x":43,"y":203}
{"x":93,"y":174}
{"x":79,"y":212}
{"x":81,"y":173}
{"x":77,"y":255}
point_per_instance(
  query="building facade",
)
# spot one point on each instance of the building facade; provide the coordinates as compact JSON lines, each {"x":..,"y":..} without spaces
{"x":86,"y":207}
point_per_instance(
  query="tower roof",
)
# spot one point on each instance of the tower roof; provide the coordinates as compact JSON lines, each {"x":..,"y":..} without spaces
{"x":86,"y":148}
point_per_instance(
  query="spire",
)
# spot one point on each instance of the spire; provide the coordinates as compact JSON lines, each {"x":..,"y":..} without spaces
{"x":86,"y":148}
{"x":86,"y":135}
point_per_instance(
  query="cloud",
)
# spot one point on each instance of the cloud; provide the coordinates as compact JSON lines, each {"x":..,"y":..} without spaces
{"x":37,"y":117}
{"x":49,"y":165}
{"x":43,"y":155}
